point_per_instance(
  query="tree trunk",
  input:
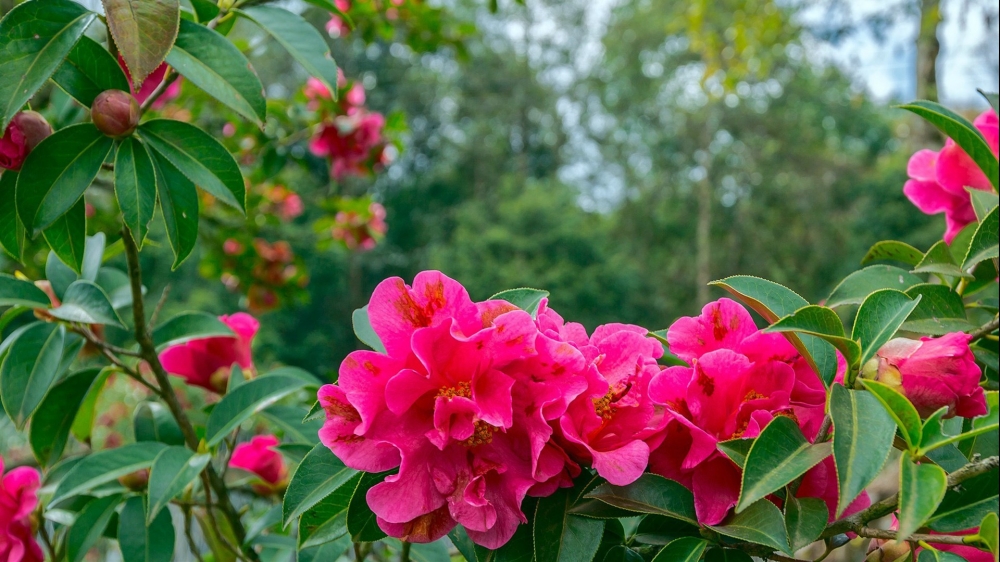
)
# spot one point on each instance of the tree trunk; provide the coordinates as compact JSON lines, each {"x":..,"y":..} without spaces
{"x":928,"y":48}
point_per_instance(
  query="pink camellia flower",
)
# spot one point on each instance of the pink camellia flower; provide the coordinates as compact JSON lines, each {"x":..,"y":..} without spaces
{"x":448,"y":406}
{"x":150,"y":84}
{"x":18,"y":499}
{"x":206,"y":362}
{"x":260,"y":457}
{"x":938,"y":179}
{"x":739,"y":380}
{"x":933,"y":373}
{"x":350,"y":141}
{"x":25,"y":131}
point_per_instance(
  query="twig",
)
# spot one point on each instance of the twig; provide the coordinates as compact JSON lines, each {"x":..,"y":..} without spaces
{"x":45,"y":534}
{"x":159,"y":305}
{"x":824,"y":429}
{"x":158,"y":91}
{"x":190,"y":538}
{"x":887,"y":534}
{"x":985,"y":328}
{"x":210,"y":510}
{"x":92,"y":338}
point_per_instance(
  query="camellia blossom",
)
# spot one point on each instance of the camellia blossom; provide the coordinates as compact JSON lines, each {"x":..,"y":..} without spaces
{"x":739,"y":380}
{"x":932,"y":373}
{"x":18,"y":499}
{"x":448,"y":405}
{"x":207,"y":362}
{"x":260,"y":457}
{"x":350,"y":141}
{"x":938,"y":179}
{"x":25,"y":131}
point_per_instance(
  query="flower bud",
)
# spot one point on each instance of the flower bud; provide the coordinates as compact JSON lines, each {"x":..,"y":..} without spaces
{"x":136,"y":481}
{"x":887,"y":551}
{"x":115,"y":113}
{"x":26,"y":130}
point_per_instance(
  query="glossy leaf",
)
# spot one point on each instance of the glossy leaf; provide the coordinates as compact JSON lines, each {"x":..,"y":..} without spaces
{"x":862,"y":439}
{"x":142,"y":542}
{"x":57,"y":172}
{"x":938,"y":260}
{"x":215,"y":65}
{"x":35,"y":37}
{"x":104,"y":466}
{"x":327,"y":520}
{"x":985,"y":242}
{"x":779,"y":455}
{"x":318,"y":475}
{"x":152,"y":421}
{"x":86,"y":303}
{"x":934,"y":434}
{"x":361,"y":522}
{"x":189,"y":326}
{"x":858,"y":285}
{"x":205,"y":10}
{"x":299,"y":38}
{"x":878,"y":318}
{"x":525,"y":298}
{"x":684,"y":549}
{"x":560,"y":536}
{"x":173,"y":469}
{"x":89,"y":70}
{"x":29,"y":369}
{"x":67,"y":236}
{"x":135,"y":187}
{"x":821,"y":322}
{"x":289,"y":420}
{"x":84,"y":421}
{"x":651,"y":493}
{"x":727,"y":555}
{"x":805,"y":520}
{"x":363,"y":330}
{"x":736,"y":449}
{"x":960,"y":130}
{"x":941,"y":311}
{"x":327,"y":551}
{"x":892,"y":250}
{"x":17,"y":292}
{"x":89,"y":526}
{"x":900,"y":410}
{"x":198,"y":156}
{"x":144,"y":31}
{"x":983,"y":201}
{"x":989,"y":533}
{"x":11,"y":229}
{"x":246,"y":400}
{"x":921,"y":489}
{"x":963,"y":507}
{"x":179,"y":206}
{"x":54,"y":417}
{"x":760,"y":523}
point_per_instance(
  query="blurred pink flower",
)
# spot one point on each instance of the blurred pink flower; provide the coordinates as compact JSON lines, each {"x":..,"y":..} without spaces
{"x":260,"y":457}
{"x":18,"y":499}
{"x":349,"y":141}
{"x":938,"y":179}
{"x":150,"y":84}
{"x":360,"y":231}
{"x":206,"y":362}
{"x":933,"y":373}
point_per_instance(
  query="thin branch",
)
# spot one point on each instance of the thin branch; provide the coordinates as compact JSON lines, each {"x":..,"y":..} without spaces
{"x":210,"y":510}
{"x":159,"y":306}
{"x":190,"y":538}
{"x":985,"y":328}
{"x":160,"y":89}
{"x":824,"y":429}
{"x":887,"y":534}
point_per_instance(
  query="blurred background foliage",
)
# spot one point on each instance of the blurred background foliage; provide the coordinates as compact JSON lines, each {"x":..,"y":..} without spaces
{"x":619,"y":163}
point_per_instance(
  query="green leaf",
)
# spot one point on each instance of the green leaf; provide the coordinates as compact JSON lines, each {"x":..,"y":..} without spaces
{"x":921,"y":489}
{"x":179,"y":206}
{"x":983,"y":201}
{"x":992,"y":98}
{"x":16,"y":292}
{"x":206,"y":10}
{"x":318,"y":475}
{"x":104,"y":466}
{"x":246,"y":400}
{"x":525,"y":298}
{"x":89,"y":70}
{"x":142,"y":542}
{"x":327,"y":551}
{"x":927,"y":555}
{"x":299,"y":38}
{"x":294,"y":452}
{"x":622,"y":553}
{"x":86,"y":303}
{"x":173,"y":469}
{"x":35,"y":37}
{"x":941,"y":311}
{"x":684,"y":549}
{"x":821,"y":322}
{"x":89,"y":526}
{"x":68,"y":236}
{"x":773,"y":301}
{"x":364,"y":331}
{"x":727,"y":555}
{"x":858,"y":285}
{"x":736,"y":449}
{"x":460,"y":538}
{"x":57,"y":172}
{"x":900,"y":410}
{"x":215,"y":65}
{"x":29,"y":369}
{"x":985,"y":242}
{"x":761,"y":523}
{"x":560,"y":536}
{"x":878,"y":318}
{"x":135,"y":187}
{"x":53,"y":419}
{"x":651,"y":493}
{"x":964,"y":506}
{"x":436,"y":551}
{"x":144,"y":31}
{"x":892,"y":250}
{"x":779,"y":455}
{"x":862,"y":438}
{"x":805,"y":519}
{"x":658,"y":530}
{"x":189,"y":326}
{"x":289,"y":420}
{"x":152,"y":421}
{"x":11,"y":229}
{"x":962,"y":132}
{"x":199,"y":157}
{"x":360,"y":519}
{"x":327,"y":520}
{"x":989,"y":533}
{"x":939,"y":260}
{"x":59,"y":274}
{"x":84,"y":420}
{"x":217,"y":532}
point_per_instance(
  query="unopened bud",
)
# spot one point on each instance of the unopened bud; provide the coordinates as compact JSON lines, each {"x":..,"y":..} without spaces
{"x":34,"y":127}
{"x":25,"y":131}
{"x":135,"y":481}
{"x":115,"y":113}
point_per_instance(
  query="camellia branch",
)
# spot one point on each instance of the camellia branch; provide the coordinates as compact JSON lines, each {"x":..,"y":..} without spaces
{"x":985,"y":328}
{"x":149,"y":354}
{"x":888,"y":534}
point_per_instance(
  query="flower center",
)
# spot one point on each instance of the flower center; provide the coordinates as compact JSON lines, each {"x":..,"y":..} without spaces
{"x":604,"y":406}
{"x":482,"y":435}
{"x":463,"y":389}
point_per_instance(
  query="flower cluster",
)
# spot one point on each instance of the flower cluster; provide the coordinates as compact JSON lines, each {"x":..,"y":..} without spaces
{"x":23,"y":134}
{"x":18,"y":499}
{"x":207,"y":362}
{"x":349,"y":135}
{"x":267,"y":272}
{"x":281,"y":202}
{"x":359,"y":230}
{"x":938,"y":180}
